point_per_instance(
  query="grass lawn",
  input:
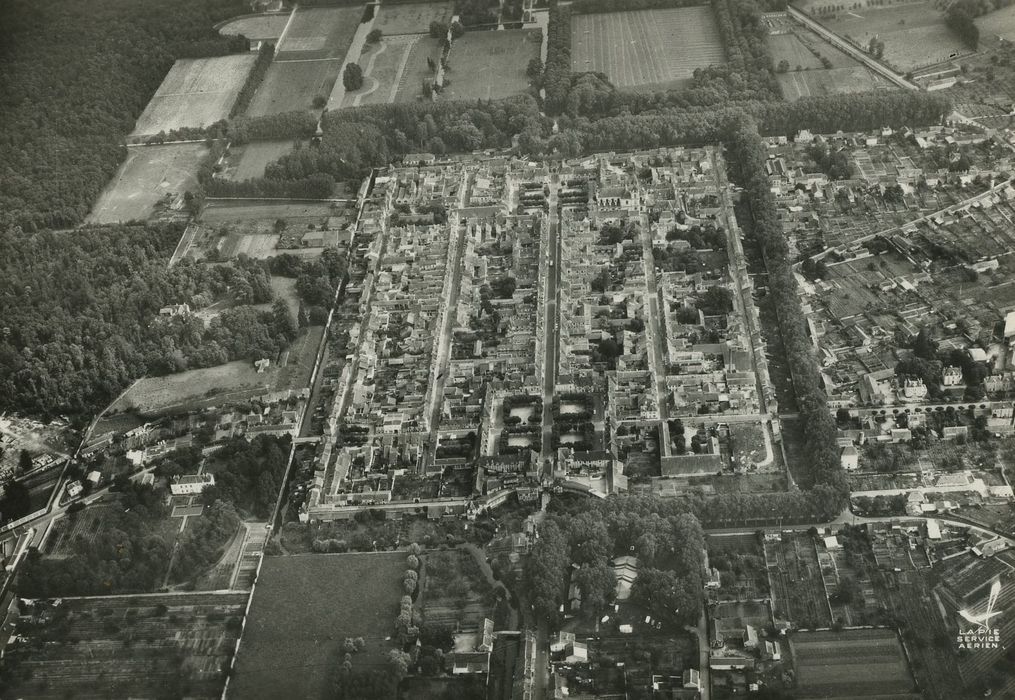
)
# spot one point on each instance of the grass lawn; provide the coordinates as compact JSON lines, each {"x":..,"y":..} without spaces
{"x":491,"y":65}
{"x":304,"y":607}
{"x":411,"y":18}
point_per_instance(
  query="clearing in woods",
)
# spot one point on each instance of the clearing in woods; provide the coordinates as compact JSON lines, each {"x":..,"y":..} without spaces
{"x":149,"y":174}
{"x":304,"y":607}
{"x":491,"y":65}
{"x":250,"y":160}
{"x":647,"y":49}
{"x":196,"y":92}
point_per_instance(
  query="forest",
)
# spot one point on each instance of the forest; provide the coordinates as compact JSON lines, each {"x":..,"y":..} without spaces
{"x":79,"y":313}
{"x":76,"y":76}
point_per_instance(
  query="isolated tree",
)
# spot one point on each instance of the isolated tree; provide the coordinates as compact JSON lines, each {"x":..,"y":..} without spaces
{"x":783,"y":66}
{"x":320,"y":101}
{"x":457,"y":29}
{"x":438,"y":30}
{"x":25,"y":461}
{"x":374,"y":36}
{"x":399,"y":661}
{"x":535,"y":68}
{"x":352,"y":77}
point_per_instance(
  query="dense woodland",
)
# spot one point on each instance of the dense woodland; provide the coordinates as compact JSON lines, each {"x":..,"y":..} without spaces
{"x":577,"y":543}
{"x":128,"y":554}
{"x":80,"y":315}
{"x":76,"y":75}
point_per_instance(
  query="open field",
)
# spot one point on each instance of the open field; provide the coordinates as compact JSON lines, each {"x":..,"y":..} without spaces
{"x":998,"y":23}
{"x":789,"y":48}
{"x":491,"y":65}
{"x":250,"y":160}
{"x":830,"y":82}
{"x":320,"y":32}
{"x":804,"y":50}
{"x":195,"y":92}
{"x":850,"y":663}
{"x":257,"y":28}
{"x":290,"y":85}
{"x":146,"y":177}
{"x":303,"y":609}
{"x":224,"y":211}
{"x":186,"y":390}
{"x":136,"y":646}
{"x":915,"y":34}
{"x":649,"y":49}
{"x":411,"y":18}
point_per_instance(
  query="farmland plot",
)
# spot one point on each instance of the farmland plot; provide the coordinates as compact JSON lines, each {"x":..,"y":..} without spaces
{"x":647,"y":49}
{"x":853,"y":663}
{"x":304,"y":607}
{"x":196,"y":92}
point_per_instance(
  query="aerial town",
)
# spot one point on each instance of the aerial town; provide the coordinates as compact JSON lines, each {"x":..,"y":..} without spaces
{"x":507,"y":350}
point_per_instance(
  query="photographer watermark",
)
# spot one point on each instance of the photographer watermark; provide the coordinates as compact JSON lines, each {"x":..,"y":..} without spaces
{"x":980,"y":634}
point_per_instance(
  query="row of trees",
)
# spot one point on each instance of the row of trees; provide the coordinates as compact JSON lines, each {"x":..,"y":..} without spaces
{"x":749,"y":154}
{"x":254,"y":79}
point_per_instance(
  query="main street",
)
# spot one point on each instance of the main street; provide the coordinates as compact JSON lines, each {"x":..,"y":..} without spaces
{"x":551,"y":321}
{"x":655,"y":331}
{"x":449,"y":312}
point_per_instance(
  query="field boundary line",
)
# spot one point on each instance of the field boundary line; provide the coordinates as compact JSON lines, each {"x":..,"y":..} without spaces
{"x":306,"y":60}
{"x":285,"y":29}
{"x":396,"y":83}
